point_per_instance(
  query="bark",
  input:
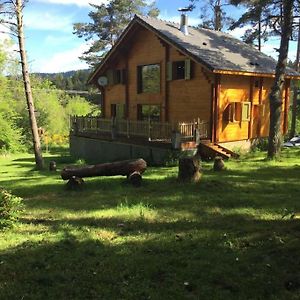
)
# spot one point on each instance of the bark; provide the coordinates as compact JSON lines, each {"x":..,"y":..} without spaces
{"x":189,"y":170}
{"x":295,"y":96}
{"x":219,"y":164}
{"x":30,"y":103}
{"x":275,"y":138}
{"x":130,"y":168}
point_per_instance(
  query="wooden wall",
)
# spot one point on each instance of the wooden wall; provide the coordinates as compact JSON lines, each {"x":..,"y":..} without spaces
{"x":232,"y":89}
{"x":190,"y":99}
{"x":249,"y":89}
{"x":187,"y":99}
{"x":115,"y":94}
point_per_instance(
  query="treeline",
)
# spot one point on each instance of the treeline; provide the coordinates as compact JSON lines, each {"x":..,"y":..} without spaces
{"x":53,"y":109}
{"x":72,"y":80}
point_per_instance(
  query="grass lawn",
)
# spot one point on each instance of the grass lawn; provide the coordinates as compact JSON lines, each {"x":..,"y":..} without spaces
{"x":229,"y":237}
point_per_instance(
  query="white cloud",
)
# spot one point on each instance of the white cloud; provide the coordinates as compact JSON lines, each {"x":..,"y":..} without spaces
{"x":63,"y":61}
{"x":48,"y":21}
{"x":80,"y":3}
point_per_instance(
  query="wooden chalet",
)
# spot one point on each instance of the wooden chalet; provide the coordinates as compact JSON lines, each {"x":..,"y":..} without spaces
{"x":204,"y":84}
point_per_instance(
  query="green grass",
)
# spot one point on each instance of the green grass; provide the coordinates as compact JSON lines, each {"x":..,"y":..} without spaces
{"x":229,"y":237}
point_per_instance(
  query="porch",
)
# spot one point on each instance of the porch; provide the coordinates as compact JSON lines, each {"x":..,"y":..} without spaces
{"x":181,"y":135}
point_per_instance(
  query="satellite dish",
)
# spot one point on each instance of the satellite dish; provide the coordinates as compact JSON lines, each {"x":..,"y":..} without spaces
{"x":102,"y":81}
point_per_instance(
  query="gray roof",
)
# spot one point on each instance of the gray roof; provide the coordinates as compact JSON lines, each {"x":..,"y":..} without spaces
{"x":218,"y":51}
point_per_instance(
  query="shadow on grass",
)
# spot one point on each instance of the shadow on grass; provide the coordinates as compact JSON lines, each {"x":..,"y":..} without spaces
{"x":195,"y":264}
{"x":275,"y":189}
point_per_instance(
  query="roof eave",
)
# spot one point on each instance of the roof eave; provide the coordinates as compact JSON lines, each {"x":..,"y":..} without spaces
{"x":258,"y":74}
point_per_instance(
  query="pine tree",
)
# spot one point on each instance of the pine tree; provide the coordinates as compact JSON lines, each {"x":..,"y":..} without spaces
{"x":213,"y":14}
{"x":13,"y":10}
{"x":107,"y":23}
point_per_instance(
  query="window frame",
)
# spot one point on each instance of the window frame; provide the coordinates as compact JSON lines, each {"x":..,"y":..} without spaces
{"x":140,"y":112}
{"x":140,"y":88}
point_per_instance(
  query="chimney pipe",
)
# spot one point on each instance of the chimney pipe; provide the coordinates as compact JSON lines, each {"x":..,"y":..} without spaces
{"x":184,"y":24}
{"x":184,"y":19}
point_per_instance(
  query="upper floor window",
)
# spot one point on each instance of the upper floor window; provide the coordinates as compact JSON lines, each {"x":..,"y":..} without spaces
{"x":179,"y":70}
{"x":149,"y":78}
{"x":117,"y":76}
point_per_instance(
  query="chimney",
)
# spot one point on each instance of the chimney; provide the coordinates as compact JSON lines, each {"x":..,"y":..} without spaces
{"x":184,"y":19}
{"x":184,"y":24}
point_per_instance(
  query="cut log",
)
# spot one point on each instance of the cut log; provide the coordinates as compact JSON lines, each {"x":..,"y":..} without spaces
{"x":52,"y":165}
{"x":135,"y":179}
{"x":124,"y":168}
{"x":219,"y":164}
{"x":75,"y":183}
{"x":189,"y":169}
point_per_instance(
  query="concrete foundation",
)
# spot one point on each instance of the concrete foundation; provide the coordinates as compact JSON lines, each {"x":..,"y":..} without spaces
{"x":101,"y":151}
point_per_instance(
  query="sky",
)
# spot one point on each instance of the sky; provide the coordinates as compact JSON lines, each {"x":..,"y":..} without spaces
{"x":52,"y":46}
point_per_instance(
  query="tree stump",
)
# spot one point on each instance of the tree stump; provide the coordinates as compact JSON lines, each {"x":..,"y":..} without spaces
{"x":189,"y":170}
{"x":75,"y":183}
{"x":52,"y":165}
{"x":219,"y":164}
{"x":135,"y":179}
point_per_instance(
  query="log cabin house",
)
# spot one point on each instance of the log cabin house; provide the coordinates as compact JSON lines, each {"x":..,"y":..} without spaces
{"x":211,"y":87}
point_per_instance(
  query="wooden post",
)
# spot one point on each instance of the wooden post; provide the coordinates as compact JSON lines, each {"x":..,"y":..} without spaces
{"x":128,"y":128}
{"x":149,"y":129}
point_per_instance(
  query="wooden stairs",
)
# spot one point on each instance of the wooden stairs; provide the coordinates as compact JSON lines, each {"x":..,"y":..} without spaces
{"x":208,"y":149}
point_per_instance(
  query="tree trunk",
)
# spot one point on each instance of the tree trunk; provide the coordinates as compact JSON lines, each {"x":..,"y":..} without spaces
{"x":275,"y":138}
{"x":296,"y":82}
{"x":130,"y":168}
{"x":189,"y":169}
{"x":30,"y":104}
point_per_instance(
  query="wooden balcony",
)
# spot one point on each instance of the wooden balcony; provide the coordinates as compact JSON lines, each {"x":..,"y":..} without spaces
{"x":144,"y":130}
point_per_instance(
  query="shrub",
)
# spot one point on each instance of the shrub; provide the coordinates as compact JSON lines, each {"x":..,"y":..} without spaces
{"x":10,"y":208}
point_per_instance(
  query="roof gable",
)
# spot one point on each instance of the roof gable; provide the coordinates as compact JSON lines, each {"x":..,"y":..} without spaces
{"x":218,"y":51}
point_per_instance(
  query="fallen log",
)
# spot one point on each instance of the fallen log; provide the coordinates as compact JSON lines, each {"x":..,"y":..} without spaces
{"x":130,"y":168}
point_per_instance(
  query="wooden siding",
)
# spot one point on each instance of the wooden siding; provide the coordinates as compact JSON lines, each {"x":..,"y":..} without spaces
{"x":249,"y":89}
{"x":115,"y":94}
{"x":189,"y":99}
{"x":186,"y":99}
{"x":145,"y":49}
{"x":233,"y":89}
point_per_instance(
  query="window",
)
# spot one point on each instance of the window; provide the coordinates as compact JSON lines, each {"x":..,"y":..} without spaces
{"x":233,"y":112}
{"x":118,"y":111}
{"x":179,"y":70}
{"x":148,"y":112}
{"x":238,"y":111}
{"x":149,"y":78}
{"x":246,"y":111}
{"x":116,"y":76}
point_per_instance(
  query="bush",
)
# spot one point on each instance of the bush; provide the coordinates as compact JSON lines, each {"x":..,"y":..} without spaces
{"x":10,"y":209}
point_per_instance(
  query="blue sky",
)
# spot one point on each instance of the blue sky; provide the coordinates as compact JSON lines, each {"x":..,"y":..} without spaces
{"x":51,"y":45}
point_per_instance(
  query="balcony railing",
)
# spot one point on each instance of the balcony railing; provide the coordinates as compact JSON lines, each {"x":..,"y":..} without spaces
{"x":151,"y":130}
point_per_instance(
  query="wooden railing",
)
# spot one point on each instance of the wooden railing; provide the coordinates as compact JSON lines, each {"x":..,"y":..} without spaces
{"x":154,"y":131}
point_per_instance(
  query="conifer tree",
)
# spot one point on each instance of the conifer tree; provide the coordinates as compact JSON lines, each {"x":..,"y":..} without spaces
{"x":107,"y":23}
{"x":13,"y":11}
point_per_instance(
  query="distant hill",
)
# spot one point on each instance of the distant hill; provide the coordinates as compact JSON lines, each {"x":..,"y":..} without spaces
{"x":71,"y":80}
